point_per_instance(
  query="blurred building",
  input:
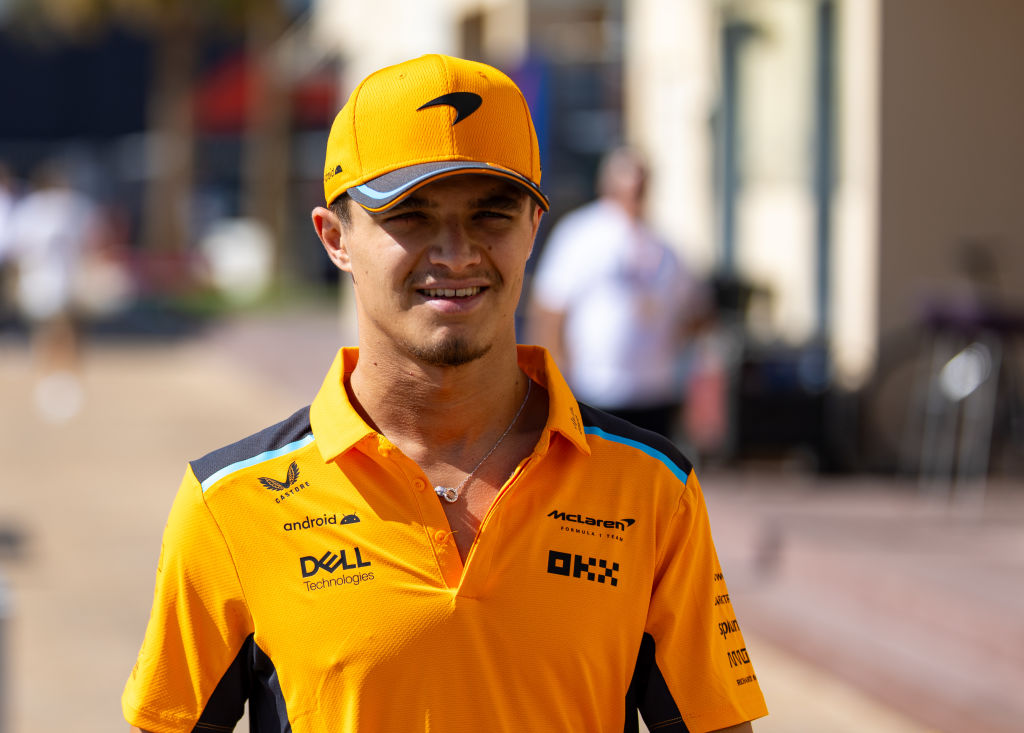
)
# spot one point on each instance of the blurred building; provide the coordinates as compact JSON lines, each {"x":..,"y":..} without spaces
{"x":843,"y":170}
{"x":836,"y":158}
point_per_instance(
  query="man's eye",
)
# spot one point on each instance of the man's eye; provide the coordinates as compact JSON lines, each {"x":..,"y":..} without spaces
{"x":493,"y":215}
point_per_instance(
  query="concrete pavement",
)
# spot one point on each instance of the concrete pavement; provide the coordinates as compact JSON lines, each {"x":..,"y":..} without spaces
{"x":917,"y":603}
{"x":863,"y":608}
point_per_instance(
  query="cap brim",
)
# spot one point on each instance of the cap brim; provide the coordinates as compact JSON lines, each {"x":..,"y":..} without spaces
{"x":385,"y":191}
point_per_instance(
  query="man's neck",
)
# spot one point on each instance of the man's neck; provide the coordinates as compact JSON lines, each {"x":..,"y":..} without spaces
{"x":438,"y":410}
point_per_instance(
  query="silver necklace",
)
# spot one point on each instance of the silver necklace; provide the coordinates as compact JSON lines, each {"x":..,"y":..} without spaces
{"x":451,"y":493}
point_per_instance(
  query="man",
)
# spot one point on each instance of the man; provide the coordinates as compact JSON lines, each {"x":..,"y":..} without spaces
{"x":614,"y":304}
{"x":50,"y":234}
{"x":444,"y":540}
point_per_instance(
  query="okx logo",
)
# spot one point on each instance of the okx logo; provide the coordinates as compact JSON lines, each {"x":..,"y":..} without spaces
{"x":594,"y":569}
{"x":330,"y":562}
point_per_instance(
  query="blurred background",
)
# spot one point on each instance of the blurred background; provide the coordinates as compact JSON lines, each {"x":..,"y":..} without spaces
{"x":842,"y":177}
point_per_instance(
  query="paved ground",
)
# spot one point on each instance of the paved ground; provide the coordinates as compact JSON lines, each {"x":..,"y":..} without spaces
{"x":865,"y":608}
{"x":917,"y":603}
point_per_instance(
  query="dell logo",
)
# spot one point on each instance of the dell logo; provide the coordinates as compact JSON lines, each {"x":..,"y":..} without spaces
{"x":331,"y":562}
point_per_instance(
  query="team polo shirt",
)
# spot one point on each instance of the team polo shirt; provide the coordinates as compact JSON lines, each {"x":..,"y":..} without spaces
{"x":310,"y":569}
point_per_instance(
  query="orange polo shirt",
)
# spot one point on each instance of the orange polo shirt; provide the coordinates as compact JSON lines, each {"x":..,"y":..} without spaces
{"x":310,"y":569}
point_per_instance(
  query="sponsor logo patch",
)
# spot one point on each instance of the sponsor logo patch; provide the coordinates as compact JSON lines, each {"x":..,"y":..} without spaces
{"x":289,"y":487}
{"x":330,"y":562}
{"x":464,"y":104}
{"x":329,"y":174}
{"x":738,"y":657}
{"x":312,"y":522}
{"x":728,"y":627}
{"x":593,"y":569}
{"x":577,"y":523}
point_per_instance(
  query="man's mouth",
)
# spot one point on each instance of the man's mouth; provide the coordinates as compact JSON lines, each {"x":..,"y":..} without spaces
{"x":451,"y":292}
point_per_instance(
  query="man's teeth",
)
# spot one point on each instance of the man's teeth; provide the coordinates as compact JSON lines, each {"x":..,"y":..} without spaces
{"x":451,"y":292}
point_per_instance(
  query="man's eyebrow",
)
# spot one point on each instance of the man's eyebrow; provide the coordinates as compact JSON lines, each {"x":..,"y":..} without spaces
{"x":501,"y":202}
{"x":497,"y":201}
{"x":410,"y":202}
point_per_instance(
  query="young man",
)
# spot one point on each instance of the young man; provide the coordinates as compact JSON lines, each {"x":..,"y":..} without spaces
{"x":445,"y":540}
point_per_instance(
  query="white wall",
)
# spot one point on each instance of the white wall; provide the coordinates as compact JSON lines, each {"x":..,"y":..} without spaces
{"x":855,"y":236}
{"x":670,"y":89}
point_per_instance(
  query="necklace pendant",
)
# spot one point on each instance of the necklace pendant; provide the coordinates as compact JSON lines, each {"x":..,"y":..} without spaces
{"x":448,"y":493}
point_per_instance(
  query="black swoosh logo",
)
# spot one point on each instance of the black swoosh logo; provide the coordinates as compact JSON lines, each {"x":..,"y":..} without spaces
{"x":464,"y":103}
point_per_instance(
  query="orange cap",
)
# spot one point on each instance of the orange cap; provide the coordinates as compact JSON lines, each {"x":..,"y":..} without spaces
{"x":407,"y":125}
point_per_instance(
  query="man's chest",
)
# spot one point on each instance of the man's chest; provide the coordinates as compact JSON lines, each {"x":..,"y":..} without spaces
{"x":353,"y":560}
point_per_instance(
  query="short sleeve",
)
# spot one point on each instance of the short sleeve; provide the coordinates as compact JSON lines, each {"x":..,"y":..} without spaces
{"x":694,"y":672}
{"x":198,"y":627}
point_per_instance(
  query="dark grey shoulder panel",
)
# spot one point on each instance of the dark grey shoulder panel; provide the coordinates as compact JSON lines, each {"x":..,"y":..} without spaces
{"x":276,"y":436}
{"x":614,"y":425}
{"x":251,"y":677}
{"x":649,"y":694}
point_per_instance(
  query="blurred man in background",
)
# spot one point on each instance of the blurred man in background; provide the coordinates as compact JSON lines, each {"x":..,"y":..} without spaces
{"x":614,"y":304}
{"x":49,"y":232}
{"x":8,"y":195}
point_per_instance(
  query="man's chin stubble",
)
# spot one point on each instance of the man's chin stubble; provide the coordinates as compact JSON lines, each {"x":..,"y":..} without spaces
{"x":448,"y":353}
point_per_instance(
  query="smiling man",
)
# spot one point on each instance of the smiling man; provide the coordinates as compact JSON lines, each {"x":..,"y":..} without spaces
{"x":510,"y":559}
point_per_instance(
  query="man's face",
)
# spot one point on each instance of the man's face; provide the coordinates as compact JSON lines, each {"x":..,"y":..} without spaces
{"x":439,"y":275}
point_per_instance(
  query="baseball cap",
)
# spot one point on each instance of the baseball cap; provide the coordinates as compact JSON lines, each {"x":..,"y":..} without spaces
{"x":435,"y":116}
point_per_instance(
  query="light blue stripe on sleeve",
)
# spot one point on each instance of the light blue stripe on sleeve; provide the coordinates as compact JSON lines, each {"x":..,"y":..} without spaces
{"x":652,"y":452}
{"x":294,"y":446}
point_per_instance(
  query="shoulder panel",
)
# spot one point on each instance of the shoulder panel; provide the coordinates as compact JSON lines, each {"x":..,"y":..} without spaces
{"x":286,"y":436}
{"x":251,"y":677}
{"x":600,"y":423}
{"x":649,"y":694}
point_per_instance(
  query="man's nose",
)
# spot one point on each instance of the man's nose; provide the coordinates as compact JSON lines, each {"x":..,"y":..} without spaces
{"x":454,"y":248}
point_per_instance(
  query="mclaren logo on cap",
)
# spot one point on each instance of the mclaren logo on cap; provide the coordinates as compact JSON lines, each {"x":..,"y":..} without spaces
{"x":464,"y":103}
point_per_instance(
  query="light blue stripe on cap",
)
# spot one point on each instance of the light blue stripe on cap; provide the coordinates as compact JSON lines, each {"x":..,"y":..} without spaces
{"x":306,"y":440}
{"x":652,"y":452}
{"x":381,"y":195}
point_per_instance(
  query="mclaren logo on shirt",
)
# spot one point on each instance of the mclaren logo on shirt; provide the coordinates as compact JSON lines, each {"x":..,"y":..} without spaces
{"x":592,"y":526}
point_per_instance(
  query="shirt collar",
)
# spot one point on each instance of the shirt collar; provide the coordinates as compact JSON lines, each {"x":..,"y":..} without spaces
{"x":338,"y":427}
{"x":336,"y":424}
{"x":563,"y":410}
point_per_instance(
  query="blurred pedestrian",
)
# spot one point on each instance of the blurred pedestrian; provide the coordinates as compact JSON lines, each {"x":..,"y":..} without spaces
{"x":614,"y":303}
{"x":8,"y":195}
{"x":560,"y":574}
{"x":50,"y":229}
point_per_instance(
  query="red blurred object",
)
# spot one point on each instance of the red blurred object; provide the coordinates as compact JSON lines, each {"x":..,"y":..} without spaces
{"x":222,"y":96}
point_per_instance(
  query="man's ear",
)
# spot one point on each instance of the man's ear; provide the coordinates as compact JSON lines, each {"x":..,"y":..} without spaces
{"x":332,"y":235}
{"x":538,"y":212}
